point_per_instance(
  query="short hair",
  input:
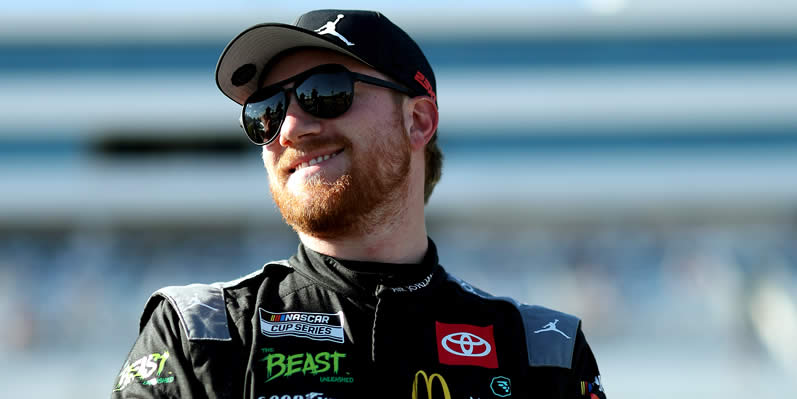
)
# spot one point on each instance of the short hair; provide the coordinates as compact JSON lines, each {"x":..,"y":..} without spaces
{"x":434,"y":167}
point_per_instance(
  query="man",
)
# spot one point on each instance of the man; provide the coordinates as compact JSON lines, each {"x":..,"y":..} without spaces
{"x":344,"y":105}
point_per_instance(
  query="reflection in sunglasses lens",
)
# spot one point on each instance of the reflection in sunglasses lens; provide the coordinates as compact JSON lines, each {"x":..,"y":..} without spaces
{"x":263,"y":118}
{"x":326,"y":95}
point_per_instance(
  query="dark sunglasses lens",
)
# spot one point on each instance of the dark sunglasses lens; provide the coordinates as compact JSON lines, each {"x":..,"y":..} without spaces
{"x":326,"y":94}
{"x":263,"y":116}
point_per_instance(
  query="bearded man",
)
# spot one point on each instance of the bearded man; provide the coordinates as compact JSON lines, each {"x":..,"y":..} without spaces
{"x":344,"y":105}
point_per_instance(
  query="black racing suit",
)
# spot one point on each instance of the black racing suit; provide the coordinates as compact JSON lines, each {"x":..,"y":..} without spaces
{"x":315,"y":327}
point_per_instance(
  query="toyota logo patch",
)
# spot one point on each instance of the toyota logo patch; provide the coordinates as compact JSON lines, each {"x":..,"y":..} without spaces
{"x":466,"y":345}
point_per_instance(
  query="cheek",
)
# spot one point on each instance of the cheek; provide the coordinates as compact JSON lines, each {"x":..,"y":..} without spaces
{"x":268,"y":160}
{"x":372,"y":102}
{"x":373,"y":112}
{"x":265,"y":156}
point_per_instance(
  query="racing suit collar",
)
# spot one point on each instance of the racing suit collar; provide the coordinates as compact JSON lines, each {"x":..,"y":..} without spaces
{"x":367,"y":280}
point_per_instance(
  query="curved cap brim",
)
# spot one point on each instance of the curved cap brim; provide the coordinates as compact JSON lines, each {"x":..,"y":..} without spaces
{"x":242,"y":61}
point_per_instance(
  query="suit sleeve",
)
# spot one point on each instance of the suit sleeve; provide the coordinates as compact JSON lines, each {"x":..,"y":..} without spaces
{"x":586,"y":376}
{"x":158,"y":365}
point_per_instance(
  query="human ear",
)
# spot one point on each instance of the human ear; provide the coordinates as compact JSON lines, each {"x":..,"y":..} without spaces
{"x":422,"y":121}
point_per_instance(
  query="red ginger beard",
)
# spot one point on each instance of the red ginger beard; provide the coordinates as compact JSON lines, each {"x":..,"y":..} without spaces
{"x":372,"y":192}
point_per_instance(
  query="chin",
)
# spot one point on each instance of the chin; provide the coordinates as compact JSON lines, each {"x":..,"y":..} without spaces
{"x":318,"y":208}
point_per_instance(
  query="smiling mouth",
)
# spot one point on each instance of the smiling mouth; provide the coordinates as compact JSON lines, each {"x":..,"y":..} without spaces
{"x":318,"y":159}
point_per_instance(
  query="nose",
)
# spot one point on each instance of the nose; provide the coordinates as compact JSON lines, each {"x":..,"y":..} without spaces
{"x":298,"y":124}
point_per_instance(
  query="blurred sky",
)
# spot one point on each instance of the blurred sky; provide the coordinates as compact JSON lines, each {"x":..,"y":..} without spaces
{"x":181,"y":6}
{"x":505,"y":7}
{"x":51,"y":19}
{"x":38,"y":18}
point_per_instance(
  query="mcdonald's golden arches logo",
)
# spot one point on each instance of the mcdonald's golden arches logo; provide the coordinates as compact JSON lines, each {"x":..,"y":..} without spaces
{"x":429,"y":382}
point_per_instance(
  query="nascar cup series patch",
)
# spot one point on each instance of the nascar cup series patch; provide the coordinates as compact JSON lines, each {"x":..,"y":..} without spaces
{"x":315,"y":326}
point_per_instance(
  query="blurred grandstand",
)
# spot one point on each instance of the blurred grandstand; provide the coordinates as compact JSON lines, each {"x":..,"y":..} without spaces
{"x":631,"y":163}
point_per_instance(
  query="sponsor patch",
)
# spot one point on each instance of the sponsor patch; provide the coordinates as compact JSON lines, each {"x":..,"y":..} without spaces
{"x":315,"y":326}
{"x":591,"y":389}
{"x":148,"y":370}
{"x":466,"y":345}
{"x":501,"y":386}
{"x":326,"y":365}
{"x":427,"y":390}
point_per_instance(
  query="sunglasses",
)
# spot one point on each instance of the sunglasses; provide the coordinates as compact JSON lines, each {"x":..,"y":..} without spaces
{"x":326,"y":91}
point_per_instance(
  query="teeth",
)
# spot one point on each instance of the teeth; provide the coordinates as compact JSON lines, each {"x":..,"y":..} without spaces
{"x":316,"y":160}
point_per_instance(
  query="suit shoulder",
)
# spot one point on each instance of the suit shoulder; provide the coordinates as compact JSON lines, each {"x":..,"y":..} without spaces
{"x":550,"y":334}
{"x":202,"y":308}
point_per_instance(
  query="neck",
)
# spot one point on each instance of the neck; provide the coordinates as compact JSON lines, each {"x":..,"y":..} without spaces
{"x":397,"y":242}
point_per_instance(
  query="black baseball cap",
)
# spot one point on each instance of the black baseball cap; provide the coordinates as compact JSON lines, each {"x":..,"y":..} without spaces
{"x":367,"y":36}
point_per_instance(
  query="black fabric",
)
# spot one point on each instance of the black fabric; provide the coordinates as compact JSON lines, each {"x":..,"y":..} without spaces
{"x":378,"y":41}
{"x":392,"y":320}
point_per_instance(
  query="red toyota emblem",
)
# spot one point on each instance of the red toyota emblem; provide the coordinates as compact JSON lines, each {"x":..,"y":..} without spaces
{"x":466,"y":345}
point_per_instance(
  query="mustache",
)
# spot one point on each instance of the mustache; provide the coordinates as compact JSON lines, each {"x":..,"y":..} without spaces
{"x":293,"y":153}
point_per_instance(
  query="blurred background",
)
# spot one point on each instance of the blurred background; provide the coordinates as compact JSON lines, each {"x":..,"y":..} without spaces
{"x":632,"y":162}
